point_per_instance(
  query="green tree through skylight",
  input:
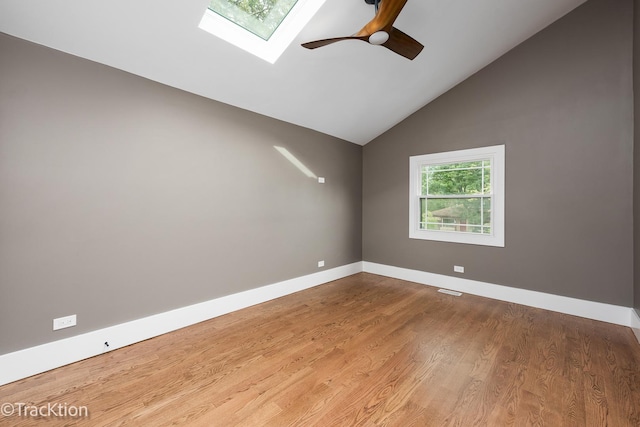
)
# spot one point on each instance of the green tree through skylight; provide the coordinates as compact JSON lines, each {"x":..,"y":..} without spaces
{"x":261,"y":17}
{"x":257,"y":8}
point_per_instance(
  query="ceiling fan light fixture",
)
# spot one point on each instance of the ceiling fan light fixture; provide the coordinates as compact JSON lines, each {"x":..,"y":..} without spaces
{"x":379,"y":37}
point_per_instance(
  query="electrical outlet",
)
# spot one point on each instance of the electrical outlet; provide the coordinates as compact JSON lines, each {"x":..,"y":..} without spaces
{"x":64,"y":322}
{"x":320,"y":263}
{"x":458,"y":269}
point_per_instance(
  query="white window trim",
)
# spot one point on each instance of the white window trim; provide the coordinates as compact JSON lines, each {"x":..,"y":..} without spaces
{"x":496,"y":154}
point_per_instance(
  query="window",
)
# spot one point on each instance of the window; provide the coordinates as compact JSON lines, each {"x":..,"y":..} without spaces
{"x":458,"y":196}
{"x":261,"y":17}
{"x":264,"y":28}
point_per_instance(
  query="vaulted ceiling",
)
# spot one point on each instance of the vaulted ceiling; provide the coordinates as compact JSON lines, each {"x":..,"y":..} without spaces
{"x":350,"y":90}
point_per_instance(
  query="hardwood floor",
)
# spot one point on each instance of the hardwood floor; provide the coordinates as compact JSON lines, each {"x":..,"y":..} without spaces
{"x":362,"y":351}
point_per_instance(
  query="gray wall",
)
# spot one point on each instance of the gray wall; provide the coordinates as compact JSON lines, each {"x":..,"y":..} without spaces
{"x":121,"y":198}
{"x":562,"y":104}
{"x":636,"y":152}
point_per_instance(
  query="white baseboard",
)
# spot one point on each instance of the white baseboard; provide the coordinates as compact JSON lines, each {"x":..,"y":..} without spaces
{"x":635,"y":324}
{"x":34,"y":360}
{"x":576,"y":307}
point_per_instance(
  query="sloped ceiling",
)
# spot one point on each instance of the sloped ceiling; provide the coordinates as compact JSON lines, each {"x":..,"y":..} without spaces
{"x":350,"y":90}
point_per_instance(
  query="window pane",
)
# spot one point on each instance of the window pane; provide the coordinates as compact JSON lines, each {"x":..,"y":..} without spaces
{"x":261,"y":17}
{"x":486,"y":215}
{"x":453,"y":179}
{"x":486,"y":176}
{"x":470,"y":215}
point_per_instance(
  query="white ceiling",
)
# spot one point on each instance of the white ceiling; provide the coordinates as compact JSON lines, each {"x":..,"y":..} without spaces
{"x":351,"y":90}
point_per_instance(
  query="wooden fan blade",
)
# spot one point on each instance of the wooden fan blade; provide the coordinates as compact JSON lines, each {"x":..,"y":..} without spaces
{"x":398,"y":42}
{"x":403,"y":44}
{"x":319,"y":43}
{"x":384,"y":19}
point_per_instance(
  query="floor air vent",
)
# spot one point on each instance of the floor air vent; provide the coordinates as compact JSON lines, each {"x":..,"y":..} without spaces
{"x":448,"y":292}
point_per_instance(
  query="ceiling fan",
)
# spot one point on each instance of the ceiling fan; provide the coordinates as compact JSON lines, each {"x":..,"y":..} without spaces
{"x":380,"y":31}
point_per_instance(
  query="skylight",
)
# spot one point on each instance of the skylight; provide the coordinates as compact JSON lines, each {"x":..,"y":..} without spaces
{"x":262,"y":27}
{"x":261,"y":17}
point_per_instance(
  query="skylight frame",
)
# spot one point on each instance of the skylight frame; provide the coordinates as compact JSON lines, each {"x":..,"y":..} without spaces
{"x":268,"y":50}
